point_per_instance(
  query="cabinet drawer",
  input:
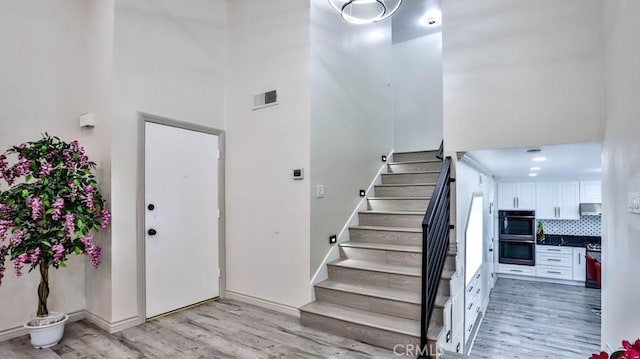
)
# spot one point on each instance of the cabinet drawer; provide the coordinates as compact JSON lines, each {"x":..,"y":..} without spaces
{"x":560,"y":260}
{"x":516,"y":269}
{"x":554,"y":272}
{"x":553,"y":250}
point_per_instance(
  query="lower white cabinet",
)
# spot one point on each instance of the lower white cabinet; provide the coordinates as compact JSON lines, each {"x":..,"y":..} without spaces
{"x":473,"y":303}
{"x":516,"y":269}
{"x":552,"y":262}
{"x":579,"y":265}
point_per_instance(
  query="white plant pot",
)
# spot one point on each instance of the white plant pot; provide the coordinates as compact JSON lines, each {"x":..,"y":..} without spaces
{"x":46,"y":336}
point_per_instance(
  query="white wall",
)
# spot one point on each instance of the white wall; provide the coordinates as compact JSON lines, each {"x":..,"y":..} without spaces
{"x":99,"y":37}
{"x":530,"y":70}
{"x":351,"y":117}
{"x":267,"y":211}
{"x":417,"y":93}
{"x":621,"y":175}
{"x":44,"y":88}
{"x":169,"y":61}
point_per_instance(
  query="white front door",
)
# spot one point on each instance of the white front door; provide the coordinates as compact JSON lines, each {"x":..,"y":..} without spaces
{"x":181,"y":218}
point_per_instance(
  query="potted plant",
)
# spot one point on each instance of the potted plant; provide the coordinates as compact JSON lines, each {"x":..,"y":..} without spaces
{"x":50,"y":208}
{"x":629,"y":351}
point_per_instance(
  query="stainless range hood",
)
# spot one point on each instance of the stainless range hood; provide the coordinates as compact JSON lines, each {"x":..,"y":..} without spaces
{"x":590,"y":209}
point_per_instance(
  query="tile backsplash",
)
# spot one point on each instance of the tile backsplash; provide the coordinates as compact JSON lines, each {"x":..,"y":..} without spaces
{"x":585,"y":226}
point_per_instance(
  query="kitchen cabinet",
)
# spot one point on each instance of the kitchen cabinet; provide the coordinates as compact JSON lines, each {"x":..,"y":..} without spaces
{"x":473,"y":303}
{"x":591,"y":192}
{"x":579,"y":267}
{"x":516,"y":195}
{"x":558,"y":200}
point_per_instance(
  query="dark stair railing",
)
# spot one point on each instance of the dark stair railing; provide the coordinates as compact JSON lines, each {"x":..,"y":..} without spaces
{"x":435,"y":245}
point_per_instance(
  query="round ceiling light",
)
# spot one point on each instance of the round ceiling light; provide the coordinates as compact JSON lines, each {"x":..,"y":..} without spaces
{"x":361,"y":12}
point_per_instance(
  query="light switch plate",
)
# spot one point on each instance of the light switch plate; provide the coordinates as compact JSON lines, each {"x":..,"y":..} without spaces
{"x":320,"y":191}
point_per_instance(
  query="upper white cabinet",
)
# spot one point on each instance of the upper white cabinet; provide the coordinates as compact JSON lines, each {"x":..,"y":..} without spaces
{"x":591,"y":192}
{"x":517,"y":195}
{"x":558,"y":200}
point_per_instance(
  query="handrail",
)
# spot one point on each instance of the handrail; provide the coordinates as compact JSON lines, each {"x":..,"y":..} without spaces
{"x":440,"y":151}
{"x":435,"y":245}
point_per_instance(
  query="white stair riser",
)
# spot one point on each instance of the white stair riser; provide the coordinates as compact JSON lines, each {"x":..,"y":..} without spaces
{"x":369,"y":303}
{"x":413,"y":167}
{"x":398,"y":204}
{"x":382,"y":256}
{"x":409,"y":178}
{"x":388,"y":237}
{"x":404,"y":191}
{"x":415,"y":156}
{"x":380,"y":279}
{"x":374,"y":336}
{"x":391,"y":220}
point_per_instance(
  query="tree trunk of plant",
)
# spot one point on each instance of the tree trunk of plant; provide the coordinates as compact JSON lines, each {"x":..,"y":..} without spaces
{"x":43,"y":289}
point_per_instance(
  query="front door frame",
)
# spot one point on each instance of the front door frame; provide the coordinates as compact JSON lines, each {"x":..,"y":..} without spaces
{"x":143,"y":118}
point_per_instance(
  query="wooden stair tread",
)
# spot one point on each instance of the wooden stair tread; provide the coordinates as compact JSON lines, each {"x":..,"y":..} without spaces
{"x":390,"y":229}
{"x":404,"y":184}
{"x":383,"y":246}
{"x":413,"y":162}
{"x":379,"y":211}
{"x":399,"y":198}
{"x":370,"y":319}
{"x":379,"y":292}
{"x":412,"y":152}
{"x":385,"y":268}
{"x":410,"y":173}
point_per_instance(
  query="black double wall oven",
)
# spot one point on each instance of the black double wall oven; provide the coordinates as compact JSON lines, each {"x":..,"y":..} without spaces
{"x":517,"y":238}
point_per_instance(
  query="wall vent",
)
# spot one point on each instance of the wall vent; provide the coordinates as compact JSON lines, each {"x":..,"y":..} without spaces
{"x":265,"y":99}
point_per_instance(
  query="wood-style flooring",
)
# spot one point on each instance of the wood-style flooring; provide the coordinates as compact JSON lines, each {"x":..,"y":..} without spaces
{"x":535,"y":320}
{"x":222,"y":329}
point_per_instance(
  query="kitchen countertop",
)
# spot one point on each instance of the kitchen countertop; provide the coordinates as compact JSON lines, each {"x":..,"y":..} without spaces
{"x":568,"y":241}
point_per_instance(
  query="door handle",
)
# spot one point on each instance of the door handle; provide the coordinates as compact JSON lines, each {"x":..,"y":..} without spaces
{"x":152,"y":232}
{"x":151,"y":207}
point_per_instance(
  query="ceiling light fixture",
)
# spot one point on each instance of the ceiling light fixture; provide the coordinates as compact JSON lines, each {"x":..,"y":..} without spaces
{"x":432,"y":19}
{"x":362,"y":12}
{"x":535,"y":169}
{"x":539,"y":159}
{"x":533,"y":174}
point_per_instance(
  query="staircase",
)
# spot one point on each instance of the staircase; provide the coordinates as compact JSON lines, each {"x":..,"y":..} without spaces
{"x":373,"y":293}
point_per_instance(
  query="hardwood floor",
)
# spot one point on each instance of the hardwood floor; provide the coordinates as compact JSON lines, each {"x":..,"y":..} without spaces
{"x":536,"y":320}
{"x":223,"y":329}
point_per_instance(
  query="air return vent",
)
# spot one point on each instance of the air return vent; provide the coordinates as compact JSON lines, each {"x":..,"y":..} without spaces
{"x":265,"y":99}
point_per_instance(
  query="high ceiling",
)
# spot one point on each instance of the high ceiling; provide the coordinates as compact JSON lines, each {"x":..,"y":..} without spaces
{"x":408,"y":22}
{"x":574,"y":161}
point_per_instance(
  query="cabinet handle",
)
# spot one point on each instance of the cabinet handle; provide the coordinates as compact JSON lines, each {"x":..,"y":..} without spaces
{"x":514,"y":203}
{"x":579,"y":258}
{"x":553,"y":272}
{"x":554,"y":250}
{"x":554,"y":260}
{"x":478,"y":275}
{"x":470,"y":327}
{"x":559,"y":212}
{"x":470,"y":289}
{"x":515,"y":270}
{"x":518,"y":201}
{"x":470,"y":306}
{"x":478,"y":310}
{"x":478,"y":291}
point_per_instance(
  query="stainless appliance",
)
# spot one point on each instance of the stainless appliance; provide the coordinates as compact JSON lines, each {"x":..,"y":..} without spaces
{"x":595,"y":251}
{"x":590,"y":209}
{"x":517,"y":237}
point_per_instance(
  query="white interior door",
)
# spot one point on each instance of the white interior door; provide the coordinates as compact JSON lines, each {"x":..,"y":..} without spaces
{"x":181,"y":220}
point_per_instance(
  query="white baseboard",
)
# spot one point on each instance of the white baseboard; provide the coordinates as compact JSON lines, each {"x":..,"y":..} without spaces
{"x":282,"y":308}
{"x":20,"y":331}
{"x":112,"y":327}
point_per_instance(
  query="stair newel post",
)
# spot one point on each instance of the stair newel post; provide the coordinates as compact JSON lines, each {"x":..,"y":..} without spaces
{"x":43,"y":289}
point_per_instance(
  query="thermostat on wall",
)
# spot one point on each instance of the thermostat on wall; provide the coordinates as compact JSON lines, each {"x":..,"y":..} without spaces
{"x":298,"y":174}
{"x":265,"y":99}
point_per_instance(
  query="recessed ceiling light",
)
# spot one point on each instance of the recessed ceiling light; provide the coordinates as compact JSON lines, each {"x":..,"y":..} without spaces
{"x":432,"y":18}
{"x":533,"y":174}
{"x":535,"y":168}
{"x":534,"y":150}
{"x":539,"y":159}
{"x":431,"y":21}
